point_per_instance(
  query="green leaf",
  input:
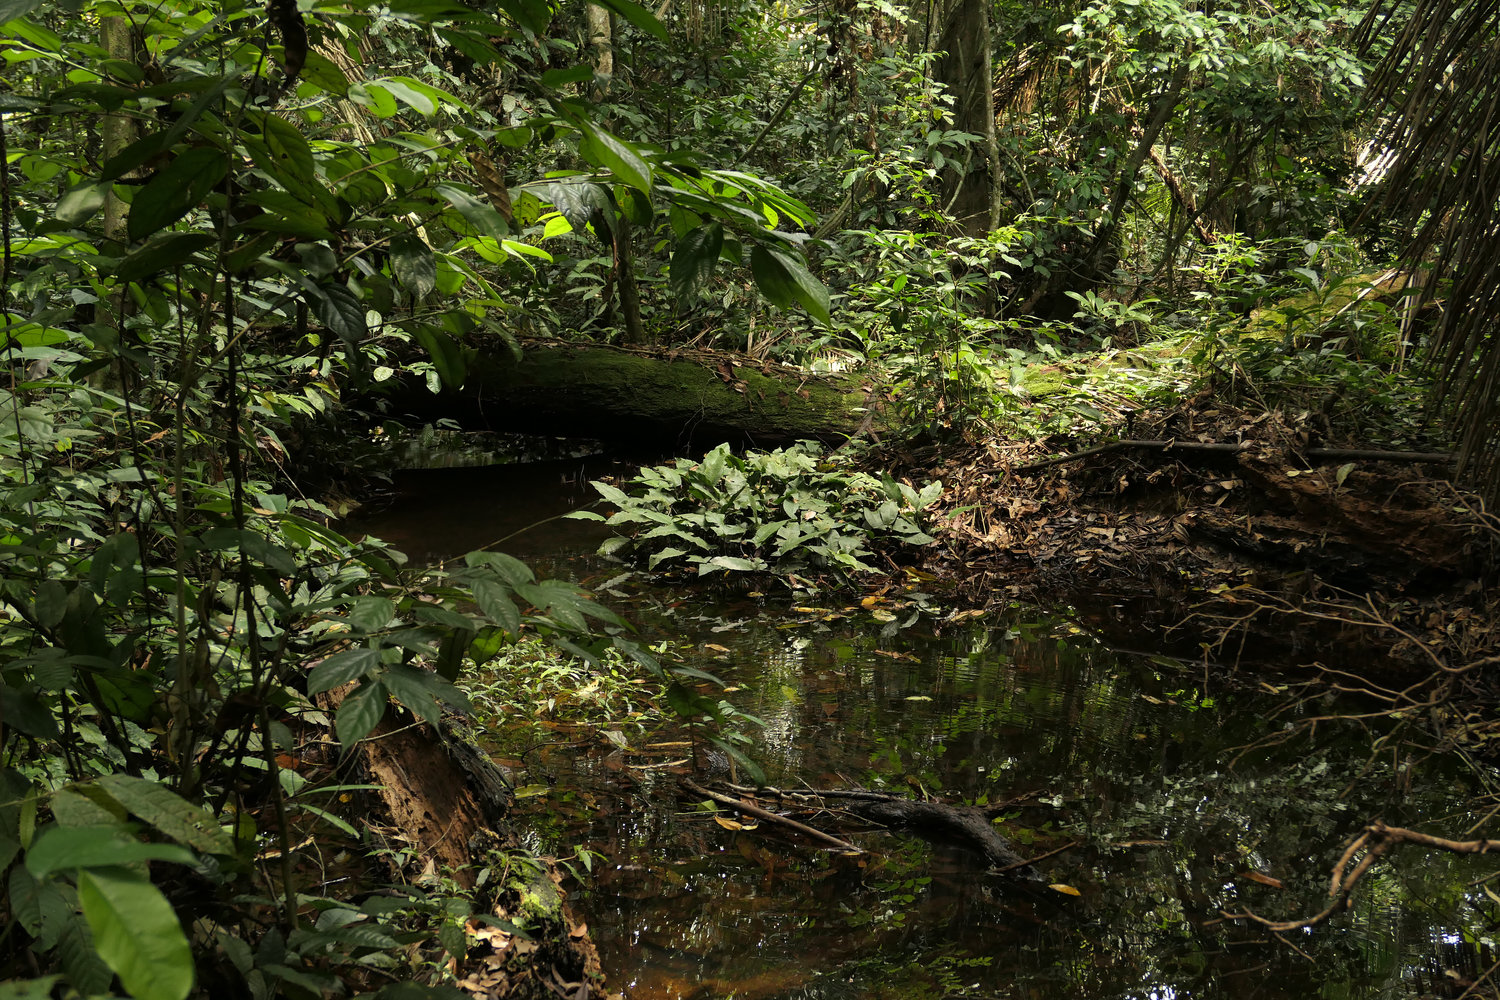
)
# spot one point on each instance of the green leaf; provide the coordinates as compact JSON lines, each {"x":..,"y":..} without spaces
{"x":414,"y":265}
{"x":12,"y":9}
{"x":420,"y":96}
{"x":658,"y":558}
{"x":80,"y":204}
{"x":61,"y":847}
{"x":512,"y":570}
{"x":322,"y":73}
{"x":556,"y":78}
{"x":337,"y":309}
{"x":485,"y":220}
{"x":137,"y":934}
{"x":168,"y":812}
{"x":175,"y":190}
{"x":375,"y":97}
{"x":28,"y":989}
{"x":162,"y":255}
{"x":291,"y":156}
{"x":447,"y":356}
{"x":422,"y":692}
{"x":370,"y":613}
{"x":783,"y":280}
{"x":733,"y":563}
{"x":342,"y":668}
{"x":618,"y":157}
{"x":694,"y":260}
{"x":359,"y":713}
{"x":494,"y":600}
{"x":751,"y":768}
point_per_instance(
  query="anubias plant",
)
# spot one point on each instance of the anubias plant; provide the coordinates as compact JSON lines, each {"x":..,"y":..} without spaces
{"x":796,"y":512}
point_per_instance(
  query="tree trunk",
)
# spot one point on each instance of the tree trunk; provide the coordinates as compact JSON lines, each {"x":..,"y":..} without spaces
{"x":663,"y":398}
{"x":117,"y":130}
{"x":602,"y":44}
{"x":971,"y":194}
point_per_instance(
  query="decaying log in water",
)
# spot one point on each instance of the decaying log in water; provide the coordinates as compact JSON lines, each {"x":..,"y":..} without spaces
{"x":965,"y":824}
{"x":641,"y":396}
{"x":450,"y":803}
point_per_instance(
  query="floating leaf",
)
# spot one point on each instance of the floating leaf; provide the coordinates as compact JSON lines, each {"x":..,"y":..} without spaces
{"x":1066,"y":890}
{"x":727,"y":824}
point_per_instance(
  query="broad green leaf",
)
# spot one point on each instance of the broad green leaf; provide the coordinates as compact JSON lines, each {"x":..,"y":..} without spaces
{"x":485,"y":220}
{"x":168,"y":812}
{"x":375,"y":97}
{"x":783,"y":280}
{"x":414,"y":265}
{"x":137,"y":934}
{"x":411,"y":96}
{"x":421,"y":692}
{"x":512,"y":570}
{"x":80,"y":204}
{"x":694,"y":260}
{"x":370,"y":613}
{"x":359,"y":713}
{"x":736,"y":563}
{"x":447,"y":356}
{"x":12,"y":9}
{"x":618,"y":157}
{"x":61,"y":847}
{"x":322,"y":73}
{"x":752,"y":769}
{"x":342,"y":668}
{"x":338,"y":310}
{"x":557,"y":78}
{"x":495,"y":601}
{"x":162,"y":254}
{"x":175,"y":190}
{"x":291,"y":157}
{"x":28,"y":989}
{"x":658,"y":558}
{"x":422,"y":96}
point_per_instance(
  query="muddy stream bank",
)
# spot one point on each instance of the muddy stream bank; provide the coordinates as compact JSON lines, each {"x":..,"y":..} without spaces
{"x":1138,"y":761}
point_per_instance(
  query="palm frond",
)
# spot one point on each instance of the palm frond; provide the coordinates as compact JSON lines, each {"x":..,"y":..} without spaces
{"x":1440,"y":80}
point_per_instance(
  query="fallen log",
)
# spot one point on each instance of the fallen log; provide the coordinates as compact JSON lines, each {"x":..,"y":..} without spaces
{"x":647,"y":397}
{"x":451,"y":803}
{"x":1239,"y":447}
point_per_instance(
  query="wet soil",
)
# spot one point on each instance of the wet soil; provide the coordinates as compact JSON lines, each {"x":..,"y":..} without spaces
{"x":1224,"y":551}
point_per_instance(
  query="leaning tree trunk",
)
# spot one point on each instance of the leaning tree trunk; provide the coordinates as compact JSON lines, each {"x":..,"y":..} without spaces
{"x":651,"y":398}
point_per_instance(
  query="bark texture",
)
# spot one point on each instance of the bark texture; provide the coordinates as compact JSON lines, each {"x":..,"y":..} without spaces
{"x":672,"y":399}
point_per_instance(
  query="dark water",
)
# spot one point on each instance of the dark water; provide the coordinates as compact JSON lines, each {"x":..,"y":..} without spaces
{"x":1137,"y":762}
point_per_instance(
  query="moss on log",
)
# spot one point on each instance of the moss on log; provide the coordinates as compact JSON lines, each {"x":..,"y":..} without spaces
{"x":673,"y":398}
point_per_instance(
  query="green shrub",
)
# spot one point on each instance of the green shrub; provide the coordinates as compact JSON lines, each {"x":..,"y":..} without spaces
{"x":795,"y":512}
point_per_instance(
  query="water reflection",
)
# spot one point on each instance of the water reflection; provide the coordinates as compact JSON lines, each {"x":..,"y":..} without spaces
{"x":1120,"y":754}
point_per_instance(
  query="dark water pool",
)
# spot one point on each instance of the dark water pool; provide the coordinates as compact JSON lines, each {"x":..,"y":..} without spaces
{"x":1140,"y":763}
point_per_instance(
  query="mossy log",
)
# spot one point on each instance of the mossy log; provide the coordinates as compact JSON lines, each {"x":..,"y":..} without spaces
{"x":653,"y":398}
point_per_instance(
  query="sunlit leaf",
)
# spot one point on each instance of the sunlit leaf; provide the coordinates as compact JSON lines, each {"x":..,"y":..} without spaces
{"x":618,"y":156}
{"x":137,"y":934}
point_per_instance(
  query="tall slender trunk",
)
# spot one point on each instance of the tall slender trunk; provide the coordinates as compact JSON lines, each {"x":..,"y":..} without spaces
{"x":116,"y":131}
{"x":601,"y":43}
